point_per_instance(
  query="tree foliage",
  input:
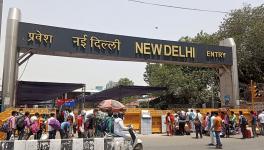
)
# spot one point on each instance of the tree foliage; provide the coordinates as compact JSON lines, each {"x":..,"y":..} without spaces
{"x":246,"y":26}
{"x":189,"y":84}
{"x":125,"y":82}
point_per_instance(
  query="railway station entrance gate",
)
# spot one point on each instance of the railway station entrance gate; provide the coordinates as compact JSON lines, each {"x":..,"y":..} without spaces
{"x":25,"y":39}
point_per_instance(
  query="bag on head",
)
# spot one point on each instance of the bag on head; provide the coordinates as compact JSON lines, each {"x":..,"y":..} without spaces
{"x":54,"y":123}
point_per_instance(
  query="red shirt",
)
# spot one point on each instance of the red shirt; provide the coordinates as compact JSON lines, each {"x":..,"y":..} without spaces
{"x":79,"y":122}
{"x":172,"y":118}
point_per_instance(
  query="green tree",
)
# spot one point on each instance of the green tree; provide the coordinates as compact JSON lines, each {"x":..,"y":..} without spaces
{"x":189,"y":84}
{"x":125,"y":82}
{"x":246,"y":26}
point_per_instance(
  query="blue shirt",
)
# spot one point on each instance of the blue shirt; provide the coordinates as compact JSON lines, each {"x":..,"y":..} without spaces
{"x":192,"y":115}
{"x":65,"y":126}
{"x":254,"y":120}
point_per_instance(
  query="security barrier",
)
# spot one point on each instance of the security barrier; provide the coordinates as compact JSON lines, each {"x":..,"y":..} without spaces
{"x":66,"y":144}
{"x":133,"y":116}
{"x":156,"y":121}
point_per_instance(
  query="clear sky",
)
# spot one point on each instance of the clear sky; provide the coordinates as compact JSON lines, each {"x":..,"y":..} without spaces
{"x":116,"y":17}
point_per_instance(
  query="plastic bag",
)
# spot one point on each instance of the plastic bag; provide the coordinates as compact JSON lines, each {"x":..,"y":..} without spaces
{"x":44,"y":136}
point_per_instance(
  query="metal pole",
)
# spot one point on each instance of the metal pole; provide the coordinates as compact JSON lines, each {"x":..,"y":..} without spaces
{"x":1,"y":12}
{"x":83,"y":99}
{"x":252,"y":94}
{"x":10,"y":70}
{"x":213,"y":105}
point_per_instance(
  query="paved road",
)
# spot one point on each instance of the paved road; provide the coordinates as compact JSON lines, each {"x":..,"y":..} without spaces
{"x":162,"y":142}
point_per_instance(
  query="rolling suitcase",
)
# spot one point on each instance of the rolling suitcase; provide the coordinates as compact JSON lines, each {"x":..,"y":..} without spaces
{"x":248,"y":134}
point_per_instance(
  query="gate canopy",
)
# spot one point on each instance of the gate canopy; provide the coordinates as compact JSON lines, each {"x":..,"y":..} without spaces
{"x":33,"y":93}
{"x":119,"y":92}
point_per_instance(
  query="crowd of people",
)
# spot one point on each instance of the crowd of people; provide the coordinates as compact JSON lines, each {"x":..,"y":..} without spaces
{"x":87,"y":124}
{"x":95,"y":123}
{"x":216,"y":124}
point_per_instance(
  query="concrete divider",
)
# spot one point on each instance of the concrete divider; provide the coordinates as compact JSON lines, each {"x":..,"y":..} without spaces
{"x":66,"y":144}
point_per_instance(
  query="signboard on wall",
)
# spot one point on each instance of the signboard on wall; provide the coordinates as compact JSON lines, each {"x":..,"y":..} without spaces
{"x":48,"y":40}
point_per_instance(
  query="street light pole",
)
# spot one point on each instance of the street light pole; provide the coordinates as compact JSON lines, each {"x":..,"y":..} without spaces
{"x":212,"y":87}
{"x":212,"y":97}
{"x":252,"y":94}
{"x":1,"y":12}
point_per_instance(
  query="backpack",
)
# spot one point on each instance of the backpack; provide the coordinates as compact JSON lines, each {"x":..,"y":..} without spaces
{"x":88,"y":123}
{"x":244,"y":120}
{"x":34,"y":127}
{"x":20,"y":121}
{"x":102,"y":126}
{"x":5,"y":127}
{"x":108,"y":125}
{"x":197,"y":120}
{"x":54,"y":123}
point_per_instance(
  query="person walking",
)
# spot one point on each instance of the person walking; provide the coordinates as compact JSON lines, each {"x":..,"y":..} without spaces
{"x":168,"y":124}
{"x":206,"y":123}
{"x":34,"y":126}
{"x":182,"y":121}
{"x":191,"y":119}
{"x":27,"y":124}
{"x":226,"y":123}
{"x":109,"y":121}
{"x":20,"y":124}
{"x":72,"y":116}
{"x":172,"y":119}
{"x":80,"y":124}
{"x":11,"y":125}
{"x":253,"y":123}
{"x":198,"y":124}
{"x":210,"y":127}
{"x":261,"y":122}
{"x":51,"y":130}
{"x":233,"y":120}
{"x":217,"y":128}
{"x":243,"y":124}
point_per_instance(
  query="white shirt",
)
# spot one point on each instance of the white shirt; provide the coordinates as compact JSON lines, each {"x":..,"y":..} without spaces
{"x":187,"y":116}
{"x":72,"y":114}
{"x":261,"y":117}
{"x":212,"y":121}
{"x":119,"y":127}
{"x":200,"y":117}
{"x":50,"y":127}
{"x":33,"y":119}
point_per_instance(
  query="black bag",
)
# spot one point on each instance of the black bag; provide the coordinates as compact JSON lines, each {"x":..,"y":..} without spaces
{"x":244,"y":121}
{"x":20,"y":122}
